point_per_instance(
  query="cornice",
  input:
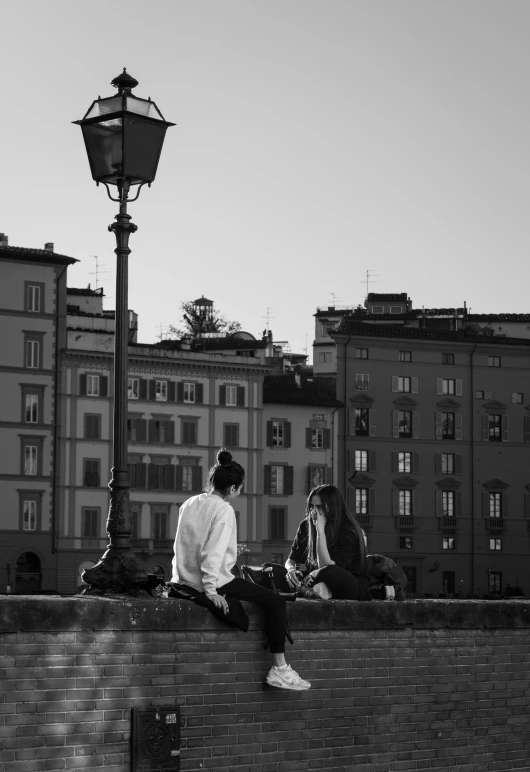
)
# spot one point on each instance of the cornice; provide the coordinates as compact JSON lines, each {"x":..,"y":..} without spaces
{"x":495,"y":484}
{"x":362,"y":399}
{"x":361,"y":479}
{"x":405,"y":402}
{"x":494,"y":404}
{"x":449,"y":482}
{"x":405,"y":482}
{"x":448,"y":403}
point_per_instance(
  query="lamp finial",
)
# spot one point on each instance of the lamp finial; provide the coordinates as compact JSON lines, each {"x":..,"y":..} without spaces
{"x":124,"y":82}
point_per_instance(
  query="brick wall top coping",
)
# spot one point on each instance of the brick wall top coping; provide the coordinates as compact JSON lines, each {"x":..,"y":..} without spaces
{"x":52,"y":614}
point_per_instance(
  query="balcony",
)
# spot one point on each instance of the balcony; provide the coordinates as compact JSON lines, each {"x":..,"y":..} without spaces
{"x":495,"y":524}
{"x":362,"y":385}
{"x":404,"y":523}
{"x":447,"y":523}
{"x":152,"y":545}
{"x":364,"y":521}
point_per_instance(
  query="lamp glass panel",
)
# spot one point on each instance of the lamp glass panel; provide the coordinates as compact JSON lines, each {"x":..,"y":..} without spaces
{"x":142,"y":107}
{"x":142,"y":148}
{"x":104,"y":148}
{"x":104,"y":107}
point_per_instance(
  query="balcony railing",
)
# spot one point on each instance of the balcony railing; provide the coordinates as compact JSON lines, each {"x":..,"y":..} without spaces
{"x":363,"y":520}
{"x":362,"y":385}
{"x":495,"y":524}
{"x":447,"y":523}
{"x":152,"y":545}
{"x":404,"y":521}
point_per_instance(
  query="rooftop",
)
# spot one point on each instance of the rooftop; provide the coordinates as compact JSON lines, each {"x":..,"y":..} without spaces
{"x":284,"y":390}
{"x":349,"y":326}
{"x":28,"y":254}
{"x":384,"y":296}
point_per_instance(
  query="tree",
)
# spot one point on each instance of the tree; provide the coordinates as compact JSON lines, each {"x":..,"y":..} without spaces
{"x":199,"y":317}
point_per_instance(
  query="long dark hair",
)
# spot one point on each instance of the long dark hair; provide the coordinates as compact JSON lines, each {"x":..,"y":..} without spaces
{"x":224,"y":473}
{"x":338,"y":516}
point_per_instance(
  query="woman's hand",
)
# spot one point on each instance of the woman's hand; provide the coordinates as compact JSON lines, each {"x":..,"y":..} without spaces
{"x":219,"y":601}
{"x":294,"y":578}
{"x":310,"y":579}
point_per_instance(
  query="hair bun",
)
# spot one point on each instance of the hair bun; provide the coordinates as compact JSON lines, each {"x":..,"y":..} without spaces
{"x":224,"y":458}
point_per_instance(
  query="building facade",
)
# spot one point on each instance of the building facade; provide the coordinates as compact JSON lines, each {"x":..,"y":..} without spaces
{"x":434,"y":452}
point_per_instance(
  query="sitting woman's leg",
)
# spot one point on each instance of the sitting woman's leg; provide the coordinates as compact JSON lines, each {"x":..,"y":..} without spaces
{"x":272,"y":604}
{"x":343,"y":585}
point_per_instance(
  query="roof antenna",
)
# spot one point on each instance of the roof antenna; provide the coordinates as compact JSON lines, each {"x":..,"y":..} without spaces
{"x":369,"y":279}
{"x":97,"y":272}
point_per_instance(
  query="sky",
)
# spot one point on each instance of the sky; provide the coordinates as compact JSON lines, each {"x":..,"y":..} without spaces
{"x":316,"y":141}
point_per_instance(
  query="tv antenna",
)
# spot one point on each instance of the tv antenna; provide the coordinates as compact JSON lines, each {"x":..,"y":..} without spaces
{"x":334,"y":298}
{"x":369,"y":279}
{"x":97,"y":273}
{"x":268,"y":317}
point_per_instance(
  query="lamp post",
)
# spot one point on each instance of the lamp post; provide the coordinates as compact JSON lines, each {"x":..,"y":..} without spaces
{"x":123,"y":137}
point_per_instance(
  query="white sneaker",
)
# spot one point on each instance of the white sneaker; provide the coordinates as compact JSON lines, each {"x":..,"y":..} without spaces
{"x":286,"y":678}
{"x":322,"y":591}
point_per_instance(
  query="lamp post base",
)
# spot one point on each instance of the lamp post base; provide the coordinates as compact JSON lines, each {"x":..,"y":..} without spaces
{"x":117,"y":572}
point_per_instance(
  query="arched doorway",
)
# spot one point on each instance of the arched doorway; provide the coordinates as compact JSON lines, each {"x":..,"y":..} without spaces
{"x":28,"y":577}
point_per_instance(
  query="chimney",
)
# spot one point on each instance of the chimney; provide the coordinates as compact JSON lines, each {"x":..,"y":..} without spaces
{"x":48,"y":247}
{"x":3,"y":240}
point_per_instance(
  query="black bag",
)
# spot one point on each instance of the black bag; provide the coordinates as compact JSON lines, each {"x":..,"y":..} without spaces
{"x":236,"y":614}
{"x":384,"y":572}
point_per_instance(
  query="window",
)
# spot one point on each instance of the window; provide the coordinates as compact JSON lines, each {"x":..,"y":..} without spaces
{"x":317,"y":438}
{"x":92,"y":385}
{"x":136,"y":429}
{"x":361,"y":501}
{"x":496,"y":544}
{"x":324,"y":357}
{"x":33,"y":353}
{"x":31,"y":455}
{"x":405,"y":356}
{"x":135,"y":516}
{"x":318,"y":416}
{"x":31,"y":408}
{"x":277,"y":479}
{"x":405,"y":503}
{"x":495,"y":428}
{"x":495,"y":505}
{"x":396,"y":309}
{"x":448,"y":359}
{"x":29,"y":515}
{"x":494,"y":361}
{"x":161,"y":430}
{"x":317,"y":476}
{"x":448,"y":426}
{"x":30,"y":459}
{"x":160,"y":524}
{"x":448,"y":543}
{"x":187,"y":477}
{"x":231,"y":396}
{"x":404,"y":463}
{"x":133,"y":388}
{"x":405,"y":423}
{"x":92,"y":426}
{"x":362,"y":381}
{"x":361,"y":461}
{"x":91,"y":472}
{"x":448,"y":386}
{"x":278,"y":434}
{"x":90,"y":523}
{"x":231,"y":435}
{"x":448,"y":463}
{"x":377,"y":309}
{"x":494,"y":581}
{"x":479,"y":394}
{"x":277,"y":518}
{"x":362,"y":421}
{"x":361,"y":353}
{"x":403,"y":383}
{"x":34,"y":297}
{"x":161,"y":391}
{"x":405,"y":542}
{"x":189,"y":431}
{"x":161,"y":474}
{"x":448,"y":503}
{"x":517,"y":398}
{"x":137,"y":472}
{"x":189,"y":393}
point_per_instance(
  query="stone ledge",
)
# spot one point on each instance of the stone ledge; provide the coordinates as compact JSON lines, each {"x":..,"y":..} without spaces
{"x":50,"y":614}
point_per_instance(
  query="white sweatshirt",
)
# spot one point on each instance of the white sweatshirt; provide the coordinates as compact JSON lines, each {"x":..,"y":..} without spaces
{"x":206,"y":543}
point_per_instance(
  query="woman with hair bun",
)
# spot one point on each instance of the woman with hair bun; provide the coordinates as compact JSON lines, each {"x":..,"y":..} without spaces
{"x":206,"y":552}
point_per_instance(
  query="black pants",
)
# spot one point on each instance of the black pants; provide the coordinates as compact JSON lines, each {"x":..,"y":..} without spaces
{"x":343,"y":585}
{"x":272,"y":604}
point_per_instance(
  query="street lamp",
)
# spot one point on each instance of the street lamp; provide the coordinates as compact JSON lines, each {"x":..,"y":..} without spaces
{"x":123,"y":137}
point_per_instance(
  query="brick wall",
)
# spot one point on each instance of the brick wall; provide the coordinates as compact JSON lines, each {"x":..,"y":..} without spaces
{"x":419,"y":685}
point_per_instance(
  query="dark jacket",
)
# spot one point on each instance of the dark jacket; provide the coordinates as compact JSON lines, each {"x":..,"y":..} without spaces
{"x":345,"y":553}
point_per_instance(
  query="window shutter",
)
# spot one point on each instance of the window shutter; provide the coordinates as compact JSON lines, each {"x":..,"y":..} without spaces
{"x":415,"y":384}
{"x":170,"y":432}
{"x":438,"y":463}
{"x":458,"y":504}
{"x":327,"y":438}
{"x":178,"y":478}
{"x":415,"y":463}
{"x":288,"y":477}
{"x":351,"y":421}
{"x":170,"y":478}
{"x":287,"y":434}
{"x":351,"y":460}
{"x":438,"y":426}
{"x":439,"y":386}
{"x":415,"y":424}
{"x":197,"y":478}
{"x":527,"y":428}
{"x":351,"y":499}
{"x":180,"y":392}
{"x":152,"y":390}
{"x":152,"y":430}
{"x":395,"y":461}
{"x":438,"y":503}
{"x":171,"y":391}
{"x":488,"y":395}
{"x":371,"y":422}
{"x":328,"y":475}
{"x":82,"y":385}
{"x":222,"y":395}
{"x":309,"y":481}
{"x":505,"y":428}
{"x":269,"y":434}
{"x":142,"y":430}
{"x":395,"y":502}
{"x":505,"y":505}
{"x":416,"y":503}
{"x":142,"y":392}
{"x":308,"y":434}
{"x":141,"y":471}
{"x":199,"y":393}
{"x":241,"y":396}
{"x":395,"y":383}
{"x":458,"y":426}
{"x":459,"y":387}
{"x":395,"y":423}
{"x":267,"y":479}
{"x":371,"y":501}
{"x":371,"y":460}
{"x":458,"y":463}
{"x":151,"y":472}
{"x":485,"y":505}
{"x":527,"y":506}
{"x":103,"y":386}
{"x":485,"y":427}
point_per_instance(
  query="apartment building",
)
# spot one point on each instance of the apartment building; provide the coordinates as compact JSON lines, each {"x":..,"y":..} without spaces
{"x":434,"y":451}
{"x":33,"y":310}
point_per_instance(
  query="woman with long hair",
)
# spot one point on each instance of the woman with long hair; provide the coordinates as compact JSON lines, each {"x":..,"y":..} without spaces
{"x":206,"y":553}
{"x":331,"y":544}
